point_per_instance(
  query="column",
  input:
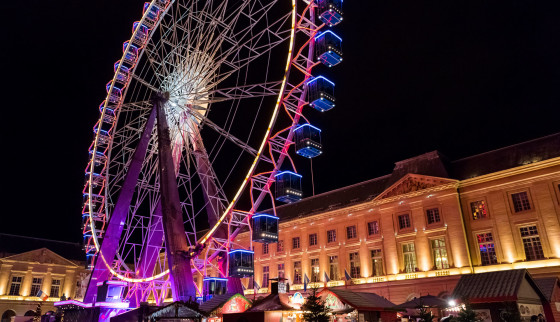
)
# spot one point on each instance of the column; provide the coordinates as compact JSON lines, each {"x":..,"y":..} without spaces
{"x":47,"y":281}
{"x":69,"y":282}
{"x":4,"y":278}
{"x":26,"y":284}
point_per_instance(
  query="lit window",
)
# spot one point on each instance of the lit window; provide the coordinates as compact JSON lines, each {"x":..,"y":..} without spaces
{"x":409,"y":258}
{"x":478,"y":209}
{"x":404,"y":221}
{"x":333,"y":268}
{"x":315,"y":276}
{"x":295,"y":243}
{"x":331,"y":236}
{"x":531,"y":243}
{"x":351,"y":232}
{"x":265,"y":249}
{"x":16,"y":285}
{"x":36,"y":286}
{"x":265,"y":276}
{"x":312,"y":239}
{"x":281,"y":271}
{"x":280,"y":246}
{"x":520,"y":201}
{"x":433,"y":216}
{"x":377,"y":262}
{"x":297,"y":272}
{"x":439,"y":253}
{"x":373,"y":228}
{"x":55,"y":288}
{"x":355,"y":265}
{"x":487,"y":249}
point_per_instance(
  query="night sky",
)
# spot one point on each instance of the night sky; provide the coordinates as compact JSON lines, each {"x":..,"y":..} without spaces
{"x":462,"y":77}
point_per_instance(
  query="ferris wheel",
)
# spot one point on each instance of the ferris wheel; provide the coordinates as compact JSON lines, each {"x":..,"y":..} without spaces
{"x":194,"y":132}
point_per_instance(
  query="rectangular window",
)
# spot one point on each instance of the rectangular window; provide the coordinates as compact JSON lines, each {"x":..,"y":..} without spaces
{"x":373,"y":228}
{"x":280,"y":246}
{"x":433,"y":216}
{"x":265,"y":249}
{"x":297,"y":272}
{"x":312,"y":239}
{"x":377,"y":262}
{"x":331,"y":236}
{"x":409,"y":257}
{"x":315,"y":274}
{"x":355,"y":265}
{"x":351,"y":232}
{"x":531,"y":243}
{"x":333,"y":268}
{"x":295,"y":243}
{"x":439,"y":253}
{"x":486,"y":248}
{"x":55,"y":288}
{"x":36,"y":286}
{"x":281,"y":271}
{"x":404,"y":221}
{"x":478,"y":210}
{"x":520,"y":201}
{"x":16,"y":285}
{"x":265,"y":276}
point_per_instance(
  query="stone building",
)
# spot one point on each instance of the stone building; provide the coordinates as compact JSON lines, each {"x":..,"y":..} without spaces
{"x":416,"y":230}
{"x":29,"y":265}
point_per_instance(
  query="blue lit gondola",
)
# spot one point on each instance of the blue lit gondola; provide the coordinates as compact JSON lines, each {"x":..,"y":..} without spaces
{"x":320,"y":93}
{"x":241,"y":263}
{"x":328,"y":48}
{"x":288,"y":187}
{"x":213,"y":286}
{"x":265,"y":228}
{"x":329,"y":11}
{"x":308,"y":141}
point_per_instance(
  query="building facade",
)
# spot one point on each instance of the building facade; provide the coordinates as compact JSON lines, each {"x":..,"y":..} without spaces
{"x":24,"y":275}
{"x":417,"y":230}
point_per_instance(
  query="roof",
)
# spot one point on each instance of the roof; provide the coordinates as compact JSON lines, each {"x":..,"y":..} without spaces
{"x":512,"y":156}
{"x":14,"y":244}
{"x":432,"y":164}
{"x":217,"y":301}
{"x":362,"y":300}
{"x":273,"y":302}
{"x":493,"y":286}
{"x":177,"y":310}
{"x":546,"y":285}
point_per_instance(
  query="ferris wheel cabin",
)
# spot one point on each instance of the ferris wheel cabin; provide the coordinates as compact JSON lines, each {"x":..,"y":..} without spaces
{"x":265,"y":228}
{"x":320,"y":93}
{"x":330,"y":11}
{"x":241,"y":263}
{"x":308,"y":141}
{"x":328,"y":48}
{"x":212,"y":286}
{"x":288,"y":187}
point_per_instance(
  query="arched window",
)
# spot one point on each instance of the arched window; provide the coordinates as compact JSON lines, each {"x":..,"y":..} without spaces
{"x":8,"y":315}
{"x":29,"y":313}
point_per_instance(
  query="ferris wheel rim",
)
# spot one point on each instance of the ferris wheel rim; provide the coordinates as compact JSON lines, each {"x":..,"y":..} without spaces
{"x":243,"y":185}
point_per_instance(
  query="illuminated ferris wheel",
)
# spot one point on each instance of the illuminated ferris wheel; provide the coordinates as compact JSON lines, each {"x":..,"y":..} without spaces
{"x":197,"y":124}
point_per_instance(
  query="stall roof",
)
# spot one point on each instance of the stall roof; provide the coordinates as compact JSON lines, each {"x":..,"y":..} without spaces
{"x":273,"y":302}
{"x":362,"y":300}
{"x":218,"y":301}
{"x":546,"y":285}
{"x":494,"y":286}
{"x":177,"y":310}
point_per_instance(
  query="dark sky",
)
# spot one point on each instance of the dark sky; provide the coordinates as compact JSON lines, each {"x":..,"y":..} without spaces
{"x":463,"y":77}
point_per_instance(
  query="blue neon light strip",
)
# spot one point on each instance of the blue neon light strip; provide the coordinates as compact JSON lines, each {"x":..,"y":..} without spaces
{"x":283,"y":172}
{"x":316,"y":78}
{"x":265,"y":215}
{"x":307,"y":124}
{"x":328,"y":31}
{"x":214,"y":279}
{"x":241,"y":251}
